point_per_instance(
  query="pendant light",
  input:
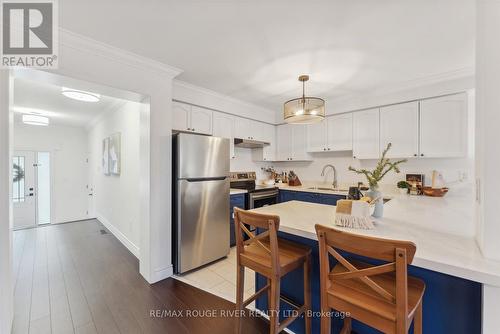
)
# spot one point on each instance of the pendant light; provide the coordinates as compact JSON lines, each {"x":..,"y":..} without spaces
{"x":305,"y":109}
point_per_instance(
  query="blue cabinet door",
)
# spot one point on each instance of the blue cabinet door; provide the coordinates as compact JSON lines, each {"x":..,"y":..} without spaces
{"x":237,"y":200}
{"x":305,"y":196}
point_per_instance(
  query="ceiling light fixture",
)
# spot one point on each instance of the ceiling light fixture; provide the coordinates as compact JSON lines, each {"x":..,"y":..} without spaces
{"x":80,"y":95}
{"x":35,"y":120}
{"x":305,"y":109}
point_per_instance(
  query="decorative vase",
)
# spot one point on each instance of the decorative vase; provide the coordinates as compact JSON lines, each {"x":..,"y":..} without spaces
{"x":403,"y":191}
{"x":379,"y":204}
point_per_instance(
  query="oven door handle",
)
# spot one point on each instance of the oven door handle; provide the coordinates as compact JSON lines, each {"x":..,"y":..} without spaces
{"x":264,"y":195}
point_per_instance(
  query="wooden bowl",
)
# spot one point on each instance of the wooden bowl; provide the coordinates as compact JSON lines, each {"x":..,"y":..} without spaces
{"x":428,"y":191}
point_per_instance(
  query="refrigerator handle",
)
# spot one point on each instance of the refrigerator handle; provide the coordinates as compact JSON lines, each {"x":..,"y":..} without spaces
{"x":201,"y":179}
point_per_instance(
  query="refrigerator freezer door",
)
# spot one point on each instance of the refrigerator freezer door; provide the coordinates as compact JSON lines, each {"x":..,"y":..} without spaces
{"x":202,"y":156}
{"x":203,"y":226}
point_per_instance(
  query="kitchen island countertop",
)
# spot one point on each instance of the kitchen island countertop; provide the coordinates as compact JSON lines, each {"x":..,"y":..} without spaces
{"x":405,"y":218}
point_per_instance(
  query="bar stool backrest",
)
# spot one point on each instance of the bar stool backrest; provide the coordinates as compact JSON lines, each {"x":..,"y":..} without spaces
{"x":264,"y":234}
{"x":397,"y":254}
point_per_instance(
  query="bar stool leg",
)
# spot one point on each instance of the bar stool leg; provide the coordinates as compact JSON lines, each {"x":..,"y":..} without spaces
{"x":417,"y":321}
{"x":307,"y":294}
{"x":347,"y":326}
{"x":326,"y":321}
{"x":240,"y":288}
{"x":275,"y":305}
{"x":269,"y":294}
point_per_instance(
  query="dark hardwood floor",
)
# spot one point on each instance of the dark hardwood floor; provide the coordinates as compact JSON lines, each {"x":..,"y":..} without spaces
{"x":71,"y":278}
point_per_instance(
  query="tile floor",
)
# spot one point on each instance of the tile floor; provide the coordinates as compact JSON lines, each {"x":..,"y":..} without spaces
{"x":219,"y":278}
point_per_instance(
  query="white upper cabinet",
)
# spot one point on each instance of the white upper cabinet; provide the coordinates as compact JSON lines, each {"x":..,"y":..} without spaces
{"x":181,"y":113}
{"x":191,"y":118}
{"x":283,"y":142}
{"x":243,"y":128}
{"x":366,"y":141}
{"x":266,"y":133}
{"x":333,"y":134}
{"x":291,"y":142}
{"x":443,"y":126}
{"x":201,"y":120}
{"x":339,"y":132}
{"x":399,"y":126}
{"x":317,"y":137}
{"x":223,"y":125}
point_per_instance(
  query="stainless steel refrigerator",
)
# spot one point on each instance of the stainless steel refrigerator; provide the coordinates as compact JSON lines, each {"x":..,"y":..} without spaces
{"x":200,"y":200}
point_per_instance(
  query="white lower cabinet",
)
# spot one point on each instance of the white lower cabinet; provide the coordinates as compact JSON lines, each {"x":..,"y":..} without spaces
{"x":399,"y":126}
{"x":223,"y":126}
{"x":366,"y":134}
{"x":443,"y":127}
{"x":291,"y":143}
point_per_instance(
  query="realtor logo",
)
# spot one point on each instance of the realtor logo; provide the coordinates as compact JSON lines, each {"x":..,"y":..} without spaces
{"x":29,"y":34}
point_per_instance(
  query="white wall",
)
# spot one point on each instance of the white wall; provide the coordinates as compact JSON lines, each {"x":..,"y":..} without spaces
{"x":243,"y":163}
{"x":111,"y":192}
{"x":68,"y":150}
{"x":6,"y":124}
{"x":488,"y":123}
{"x":90,"y":60}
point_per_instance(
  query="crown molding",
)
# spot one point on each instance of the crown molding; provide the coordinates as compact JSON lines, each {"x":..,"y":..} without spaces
{"x":82,"y":43}
{"x":215,"y":94}
{"x":462,"y":73}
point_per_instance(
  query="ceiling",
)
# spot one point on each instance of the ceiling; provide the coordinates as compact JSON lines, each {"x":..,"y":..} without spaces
{"x":255,"y":50}
{"x":42,"y":98}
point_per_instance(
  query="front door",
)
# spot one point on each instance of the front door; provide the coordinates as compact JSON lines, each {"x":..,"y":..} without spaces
{"x":23,"y":192}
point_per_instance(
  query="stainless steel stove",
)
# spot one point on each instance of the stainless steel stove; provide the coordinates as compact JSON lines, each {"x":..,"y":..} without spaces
{"x":258,"y":195}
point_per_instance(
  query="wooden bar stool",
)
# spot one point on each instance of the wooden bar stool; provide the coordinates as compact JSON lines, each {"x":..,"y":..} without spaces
{"x":273,"y":258}
{"x":383,"y":297}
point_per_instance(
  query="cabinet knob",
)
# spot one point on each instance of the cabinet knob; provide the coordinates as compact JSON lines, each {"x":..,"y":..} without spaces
{"x":415,"y":155}
{"x":421,"y":154}
{"x":354,"y":156}
{"x":192,"y":129}
{"x":324,"y":149}
{"x":328,"y":149}
{"x":189,"y":129}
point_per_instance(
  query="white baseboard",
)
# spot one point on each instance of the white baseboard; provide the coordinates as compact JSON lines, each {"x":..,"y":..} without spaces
{"x":133,"y":248}
{"x":163,"y":273}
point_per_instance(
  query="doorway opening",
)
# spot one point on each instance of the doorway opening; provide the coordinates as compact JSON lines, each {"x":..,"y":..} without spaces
{"x":31,"y":188}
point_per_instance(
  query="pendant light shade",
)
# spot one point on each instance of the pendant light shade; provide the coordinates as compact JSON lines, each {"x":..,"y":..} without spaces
{"x":305,"y":109}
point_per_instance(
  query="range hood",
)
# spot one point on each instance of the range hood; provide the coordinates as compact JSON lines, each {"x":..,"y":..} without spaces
{"x":249,"y":143}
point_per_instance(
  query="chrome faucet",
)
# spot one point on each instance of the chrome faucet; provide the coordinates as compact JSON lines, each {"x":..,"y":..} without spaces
{"x":335,"y":183}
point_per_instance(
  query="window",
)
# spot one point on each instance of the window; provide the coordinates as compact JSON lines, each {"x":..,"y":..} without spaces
{"x":18,"y":179}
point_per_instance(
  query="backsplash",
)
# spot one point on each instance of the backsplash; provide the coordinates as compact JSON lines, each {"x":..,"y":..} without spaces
{"x":452,"y":169}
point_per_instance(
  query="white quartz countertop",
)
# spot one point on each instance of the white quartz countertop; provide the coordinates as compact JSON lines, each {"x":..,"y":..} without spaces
{"x":234,"y":191}
{"x":420,"y":219}
{"x":315,"y":188}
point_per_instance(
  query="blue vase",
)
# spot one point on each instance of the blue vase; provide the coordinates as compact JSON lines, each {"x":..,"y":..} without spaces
{"x":379,"y":204}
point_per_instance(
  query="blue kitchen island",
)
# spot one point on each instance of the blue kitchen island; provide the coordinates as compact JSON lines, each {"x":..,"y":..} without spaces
{"x":451,"y":265}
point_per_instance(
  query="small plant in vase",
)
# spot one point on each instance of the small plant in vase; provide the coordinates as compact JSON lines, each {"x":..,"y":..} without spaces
{"x":373,"y":177}
{"x":403,"y":187}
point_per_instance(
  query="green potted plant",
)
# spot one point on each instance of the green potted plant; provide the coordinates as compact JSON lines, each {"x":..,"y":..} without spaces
{"x":373,"y":177}
{"x":403,"y":187}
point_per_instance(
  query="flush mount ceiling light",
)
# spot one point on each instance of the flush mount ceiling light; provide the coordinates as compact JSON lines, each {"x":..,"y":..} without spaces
{"x":80,"y":95}
{"x":35,"y":120}
{"x":305,"y":109}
